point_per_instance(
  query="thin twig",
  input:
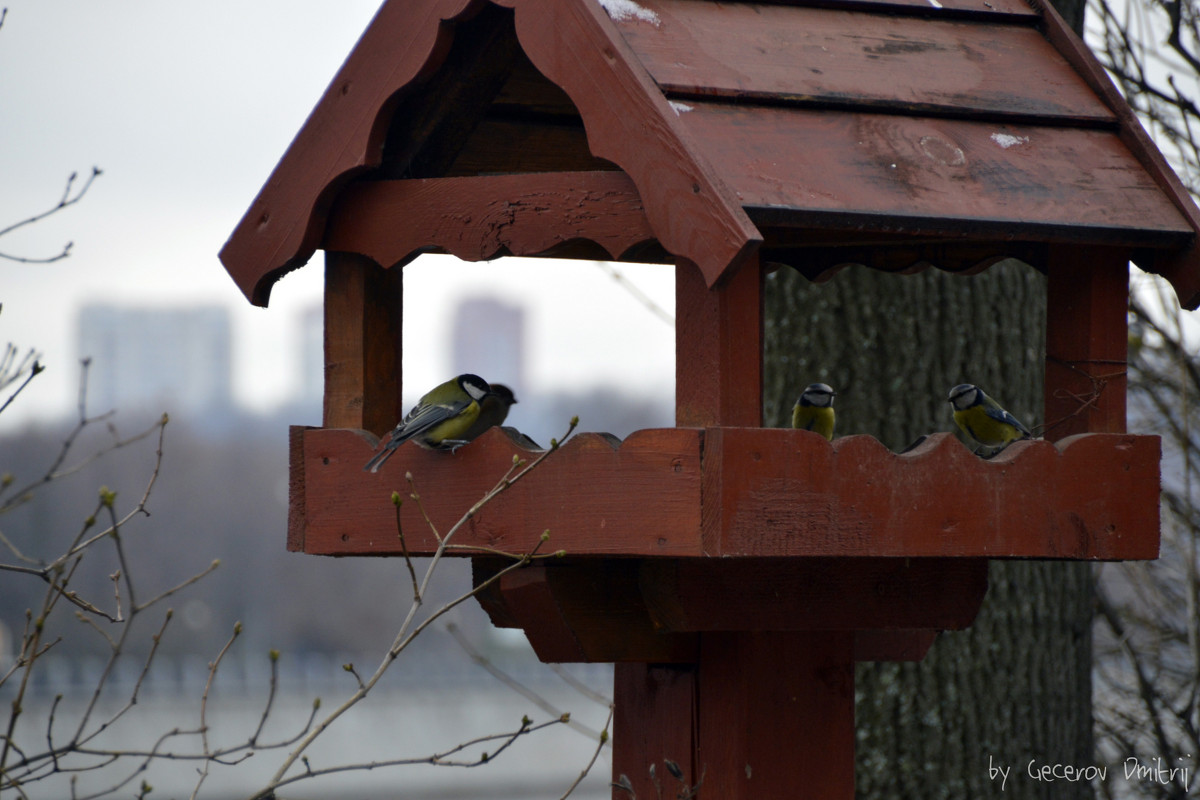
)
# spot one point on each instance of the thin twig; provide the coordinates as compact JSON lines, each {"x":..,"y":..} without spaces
{"x":602,"y":740}
{"x":514,"y":684}
{"x":65,"y":201}
{"x":407,"y":632}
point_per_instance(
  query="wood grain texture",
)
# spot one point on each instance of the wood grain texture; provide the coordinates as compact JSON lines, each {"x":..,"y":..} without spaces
{"x":583,"y":610}
{"x":718,"y":347}
{"x":642,"y":498}
{"x":574,"y":43}
{"x":629,"y":122}
{"x":858,"y":59}
{"x":480,"y":218}
{"x":995,"y":10}
{"x":788,"y":493}
{"x":652,"y":610}
{"x":937,"y":176}
{"x":655,"y":720}
{"x":343,"y":135}
{"x":698,"y":177}
{"x":766,"y":492}
{"x":1087,"y":341}
{"x":363,"y":334}
{"x":433,"y":120}
{"x":499,"y":146}
{"x":297,"y":511}
{"x":1181,"y":266}
{"x":812,"y":594}
{"x":776,"y":715}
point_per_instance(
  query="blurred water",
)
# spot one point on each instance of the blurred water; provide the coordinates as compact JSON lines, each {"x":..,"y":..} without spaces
{"x":403,"y":719}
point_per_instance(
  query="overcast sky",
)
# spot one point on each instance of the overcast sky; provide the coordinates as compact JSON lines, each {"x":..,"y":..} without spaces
{"x":187,"y":107}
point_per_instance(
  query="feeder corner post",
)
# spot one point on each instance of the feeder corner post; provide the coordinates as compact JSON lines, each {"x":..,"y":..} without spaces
{"x":363,"y":333}
{"x":1087,"y":340}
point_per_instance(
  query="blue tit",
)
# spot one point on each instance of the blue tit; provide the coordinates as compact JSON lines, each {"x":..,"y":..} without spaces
{"x":982,"y":418}
{"x":440,"y":419}
{"x":814,"y":410}
{"x":493,"y":410}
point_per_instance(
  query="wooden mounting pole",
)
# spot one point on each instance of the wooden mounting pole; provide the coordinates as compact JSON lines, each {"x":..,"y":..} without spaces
{"x":760,"y":714}
{"x":718,"y":348}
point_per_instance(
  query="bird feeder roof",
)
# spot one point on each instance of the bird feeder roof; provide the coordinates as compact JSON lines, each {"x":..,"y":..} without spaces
{"x":891,"y":133}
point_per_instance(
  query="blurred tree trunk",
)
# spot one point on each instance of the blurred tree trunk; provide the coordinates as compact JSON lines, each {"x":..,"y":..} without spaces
{"x":1016,"y":686}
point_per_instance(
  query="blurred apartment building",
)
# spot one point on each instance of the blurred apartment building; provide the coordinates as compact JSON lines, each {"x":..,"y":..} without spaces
{"x":154,"y":358}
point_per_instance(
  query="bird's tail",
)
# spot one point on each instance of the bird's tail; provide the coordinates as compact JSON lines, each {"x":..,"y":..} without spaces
{"x":377,"y":460}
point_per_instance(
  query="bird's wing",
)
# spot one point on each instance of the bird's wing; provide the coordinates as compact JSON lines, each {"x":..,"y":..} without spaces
{"x":425,"y":418}
{"x":1001,"y":415}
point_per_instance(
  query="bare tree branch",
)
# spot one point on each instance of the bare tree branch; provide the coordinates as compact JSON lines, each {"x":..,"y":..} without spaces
{"x":70,"y":196}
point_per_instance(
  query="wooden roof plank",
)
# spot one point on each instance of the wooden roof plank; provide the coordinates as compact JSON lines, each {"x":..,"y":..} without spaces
{"x":1182,"y":267}
{"x":629,"y":122}
{"x":947,"y":172}
{"x":707,"y":177}
{"x":932,"y":9}
{"x":798,"y":54}
{"x":574,"y":43}
{"x":342,"y":135}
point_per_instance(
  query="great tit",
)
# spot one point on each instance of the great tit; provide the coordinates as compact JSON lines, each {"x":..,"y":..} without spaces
{"x":982,"y":418}
{"x":440,"y":419}
{"x":493,"y":410}
{"x":814,"y":410}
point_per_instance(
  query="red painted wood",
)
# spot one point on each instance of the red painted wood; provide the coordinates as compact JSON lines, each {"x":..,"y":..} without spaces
{"x":694,"y":214}
{"x":297,"y":506}
{"x":813,"y":593}
{"x":892,"y":645}
{"x":575,"y":44}
{"x":528,"y":598}
{"x":908,"y":256}
{"x":791,"y":493}
{"x":1087,"y":341}
{"x":936,"y":176}
{"x":582,"y":610}
{"x":718,"y":348}
{"x":831,"y":56}
{"x":764,"y":492}
{"x":363,"y":334}
{"x":343,"y":134}
{"x":481,"y":218}
{"x":633,"y":610}
{"x":993,"y":10}
{"x":655,"y":720}
{"x":641,"y":498}
{"x":682,"y":160}
{"x":776,"y":715}
{"x":1181,"y":267}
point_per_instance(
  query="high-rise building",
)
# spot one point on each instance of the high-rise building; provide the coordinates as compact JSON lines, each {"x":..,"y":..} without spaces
{"x":489,"y":339}
{"x":176,"y":360}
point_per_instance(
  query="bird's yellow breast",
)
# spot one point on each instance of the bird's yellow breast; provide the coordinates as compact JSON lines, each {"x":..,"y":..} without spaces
{"x":984,"y":428}
{"x":818,"y":419}
{"x":451,"y":429}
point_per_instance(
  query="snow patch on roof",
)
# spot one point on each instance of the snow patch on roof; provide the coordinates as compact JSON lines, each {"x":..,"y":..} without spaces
{"x":1006,"y":140}
{"x":620,"y":10}
{"x":680,"y":108}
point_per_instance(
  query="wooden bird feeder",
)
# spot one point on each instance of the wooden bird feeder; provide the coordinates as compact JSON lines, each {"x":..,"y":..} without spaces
{"x":734,"y":573}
